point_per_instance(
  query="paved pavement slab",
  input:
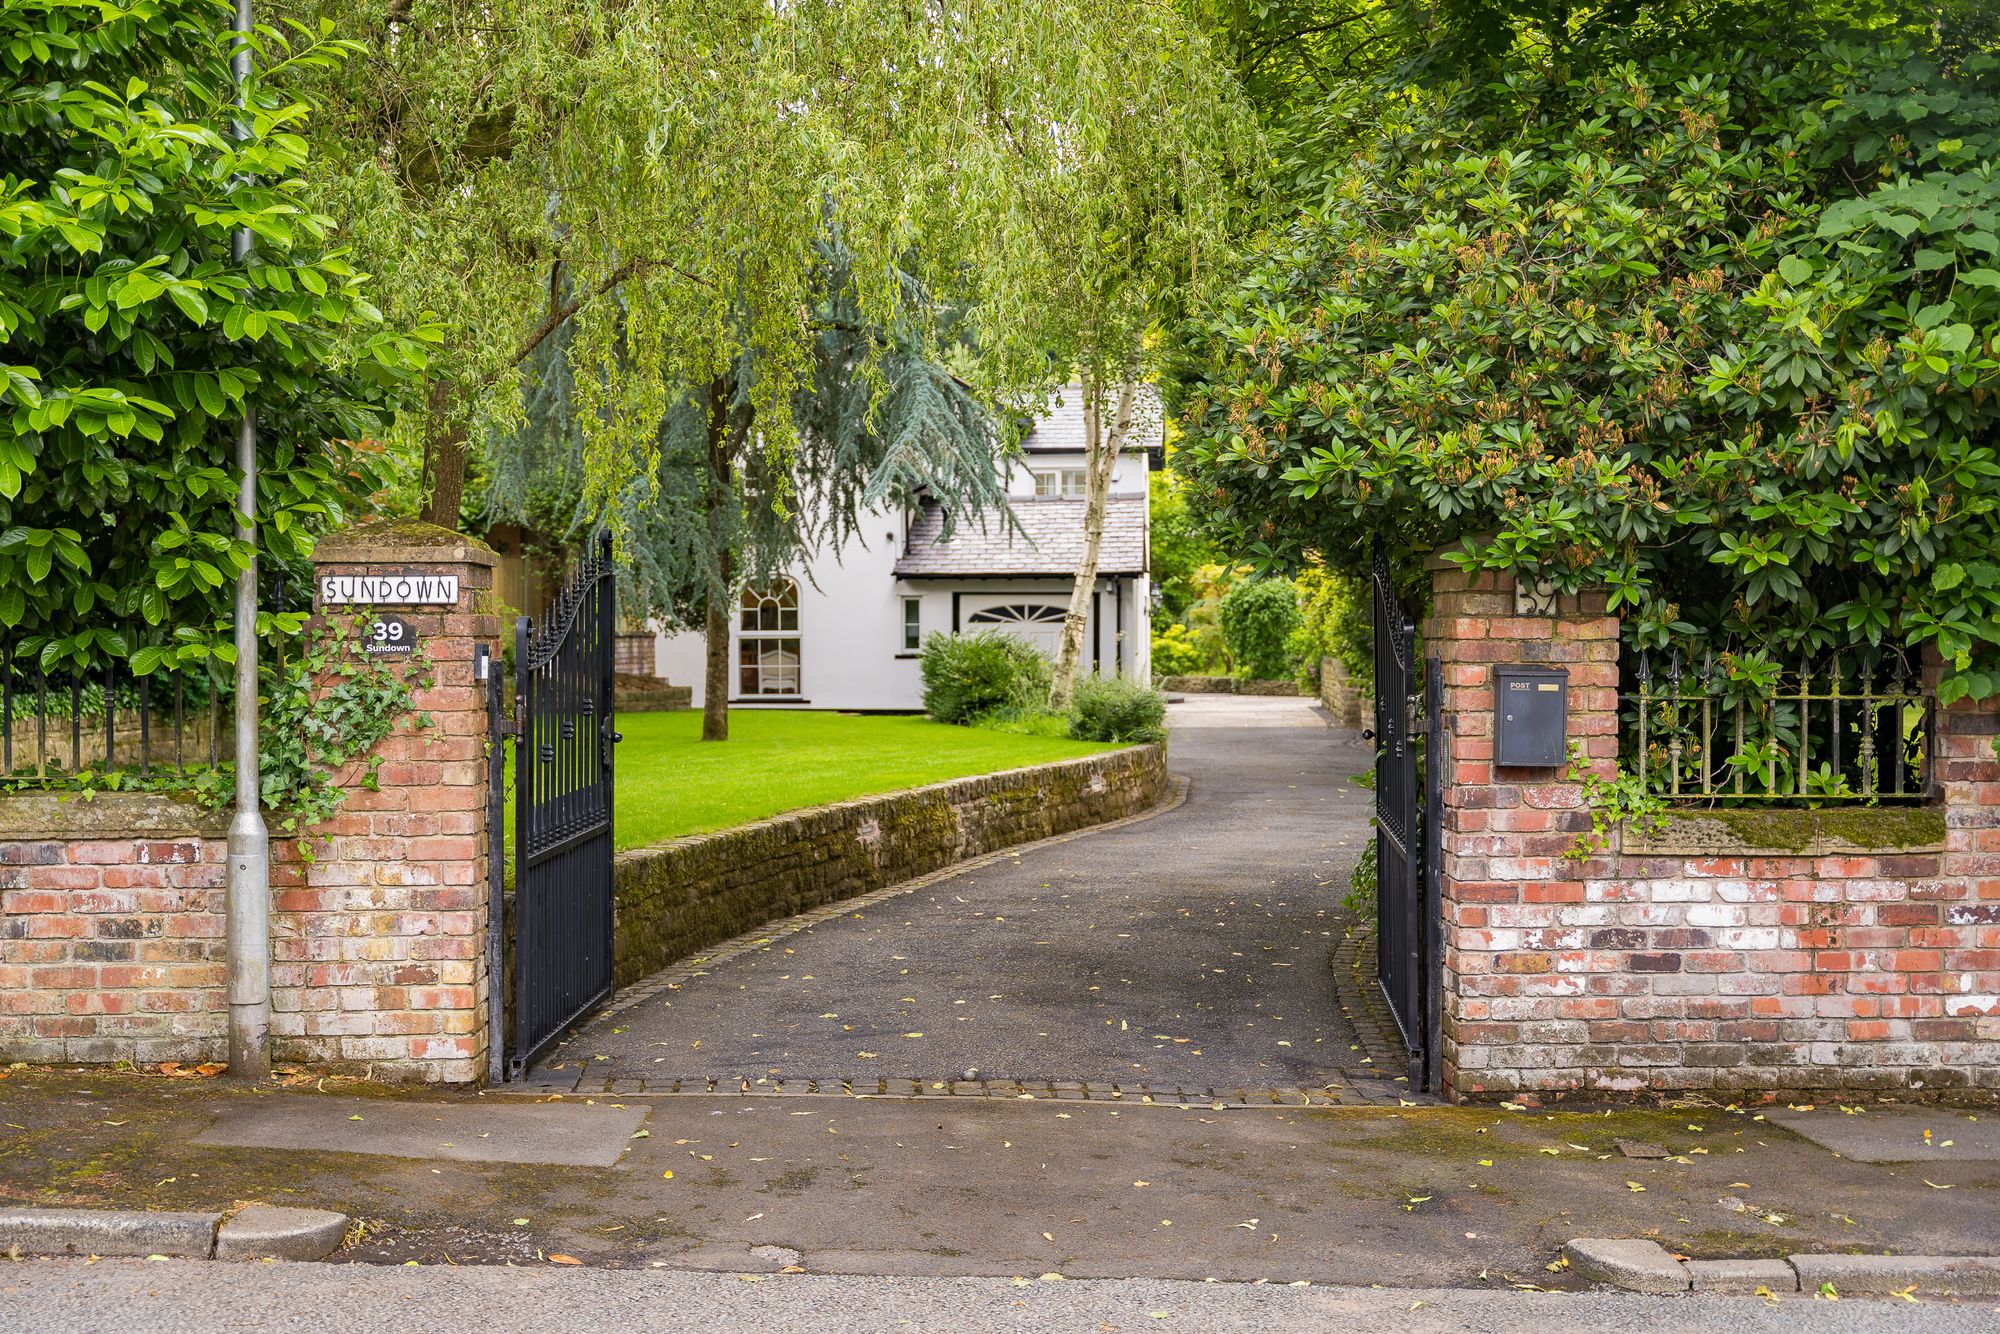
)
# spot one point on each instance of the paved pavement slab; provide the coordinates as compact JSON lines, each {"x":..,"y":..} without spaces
{"x":1885,"y":1133}
{"x":553,"y":1134}
{"x":1190,"y":950}
{"x":1411,"y":1196}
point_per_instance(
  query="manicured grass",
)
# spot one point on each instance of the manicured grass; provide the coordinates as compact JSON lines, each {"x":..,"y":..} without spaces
{"x":670,"y":782}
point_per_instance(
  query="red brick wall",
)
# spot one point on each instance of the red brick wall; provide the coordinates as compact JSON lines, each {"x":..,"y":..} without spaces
{"x":378,"y":955}
{"x":111,"y":925}
{"x":111,"y":947}
{"x":1694,"y":960}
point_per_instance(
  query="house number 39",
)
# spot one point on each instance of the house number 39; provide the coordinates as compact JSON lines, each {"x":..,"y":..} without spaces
{"x":388,"y":635}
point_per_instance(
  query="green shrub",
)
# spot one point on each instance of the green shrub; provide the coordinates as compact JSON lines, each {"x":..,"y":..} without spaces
{"x":1258,"y":617}
{"x":1025,"y":720}
{"x":1110,"y":708}
{"x":1338,"y":621}
{"x":1361,"y":887}
{"x":1175,"y":652}
{"x":968,"y":675}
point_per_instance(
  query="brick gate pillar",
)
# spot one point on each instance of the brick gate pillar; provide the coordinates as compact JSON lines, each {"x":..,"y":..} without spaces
{"x":379,"y":941}
{"x":1516,"y":920}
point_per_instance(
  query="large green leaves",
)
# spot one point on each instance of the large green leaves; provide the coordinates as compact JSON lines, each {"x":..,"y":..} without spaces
{"x":141,"y":341}
{"x":1720,"y":332}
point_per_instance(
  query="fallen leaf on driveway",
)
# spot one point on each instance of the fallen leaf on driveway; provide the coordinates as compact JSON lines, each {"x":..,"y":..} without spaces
{"x":564,"y":1260}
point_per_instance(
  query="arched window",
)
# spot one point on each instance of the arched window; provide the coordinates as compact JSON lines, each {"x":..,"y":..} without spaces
{"x":768,"y":640}
{"x":1036,"y":622}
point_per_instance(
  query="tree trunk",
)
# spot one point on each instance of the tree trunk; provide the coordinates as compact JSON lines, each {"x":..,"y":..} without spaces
{"x":1100,"y":456}
{"x":715,"y":690}
{"x":715,"y":630}
{"x":444,"y":460}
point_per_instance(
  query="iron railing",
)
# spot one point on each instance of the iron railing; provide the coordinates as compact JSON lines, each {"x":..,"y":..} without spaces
{"x":57,"y":724}
{"x":1733,"y":731}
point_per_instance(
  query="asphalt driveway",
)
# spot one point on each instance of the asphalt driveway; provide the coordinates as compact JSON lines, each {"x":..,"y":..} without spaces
{"x":1189,"y":949}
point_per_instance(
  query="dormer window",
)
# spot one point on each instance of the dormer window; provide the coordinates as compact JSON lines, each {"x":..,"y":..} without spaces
{"x":1060,"y":484}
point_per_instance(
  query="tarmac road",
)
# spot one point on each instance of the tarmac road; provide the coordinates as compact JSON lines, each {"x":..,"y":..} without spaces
{"x":196,"y":1297}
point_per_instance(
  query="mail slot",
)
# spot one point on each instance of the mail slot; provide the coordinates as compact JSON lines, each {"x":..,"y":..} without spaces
{"x":1532,"y":704}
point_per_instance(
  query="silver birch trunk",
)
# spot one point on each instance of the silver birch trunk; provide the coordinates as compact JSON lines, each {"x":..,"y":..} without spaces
{"x":1100,"y":456}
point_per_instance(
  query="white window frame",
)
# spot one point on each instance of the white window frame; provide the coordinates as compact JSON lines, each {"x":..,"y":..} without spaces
{"x":1061,"y":483}
{"x":913,"y":624}
{"x":767,"y":630}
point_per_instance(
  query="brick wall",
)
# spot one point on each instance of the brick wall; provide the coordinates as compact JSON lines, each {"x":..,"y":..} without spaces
{"x":1739,"y":952}
{"x":378,"y":955}
{"x":111,"y":909}
{"x":110,"y":930}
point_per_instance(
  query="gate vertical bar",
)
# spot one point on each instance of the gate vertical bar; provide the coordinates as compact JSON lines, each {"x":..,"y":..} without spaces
{"x":496,"y":868}
{"x":1400,"y":893}
{"x":1437,"y":759}
{"x":525,"y":739}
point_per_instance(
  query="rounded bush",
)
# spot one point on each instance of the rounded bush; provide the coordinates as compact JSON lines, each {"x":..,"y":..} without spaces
{"x":968,"y":675}
{"x":1110,"y":708}
{"x":1258,"y":617}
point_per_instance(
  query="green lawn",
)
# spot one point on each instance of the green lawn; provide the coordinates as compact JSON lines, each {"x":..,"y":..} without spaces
{"x":670,"y":783}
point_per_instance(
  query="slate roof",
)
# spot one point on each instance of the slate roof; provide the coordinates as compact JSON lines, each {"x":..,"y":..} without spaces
{"x":1061,"y":430}
{"x":1050,"y":542}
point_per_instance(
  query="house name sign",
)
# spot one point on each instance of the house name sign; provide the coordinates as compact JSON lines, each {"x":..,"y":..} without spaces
{"x":388,"y":590}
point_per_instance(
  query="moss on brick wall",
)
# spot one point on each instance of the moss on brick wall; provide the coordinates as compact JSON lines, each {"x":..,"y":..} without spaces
{"x":682,"y":897}
{"x":1722,"y":833}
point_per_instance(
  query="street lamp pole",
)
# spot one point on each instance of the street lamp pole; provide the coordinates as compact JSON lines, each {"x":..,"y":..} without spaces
{"x":249,"y":881}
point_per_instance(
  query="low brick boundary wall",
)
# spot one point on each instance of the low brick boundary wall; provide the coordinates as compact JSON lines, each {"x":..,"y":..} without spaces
{"x":111,"y":929}
{"x":682,"y":897}
{"x":1742,"y":952}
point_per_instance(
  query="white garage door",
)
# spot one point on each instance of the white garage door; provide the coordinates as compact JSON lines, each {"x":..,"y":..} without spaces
{"x":1036,"y":622}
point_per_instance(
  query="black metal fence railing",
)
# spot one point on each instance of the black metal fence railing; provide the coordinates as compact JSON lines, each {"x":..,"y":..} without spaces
{"x":1739,"y":732}
{"x":57,"y":724}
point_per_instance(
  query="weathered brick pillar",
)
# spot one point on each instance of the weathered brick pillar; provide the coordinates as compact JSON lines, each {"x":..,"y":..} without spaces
{"x":1515,"y":913}
{"x":1968,"y":936}
{"x":379,"y":949}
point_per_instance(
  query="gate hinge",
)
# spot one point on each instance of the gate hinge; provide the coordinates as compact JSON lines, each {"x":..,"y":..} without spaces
{"x":508,"y":726}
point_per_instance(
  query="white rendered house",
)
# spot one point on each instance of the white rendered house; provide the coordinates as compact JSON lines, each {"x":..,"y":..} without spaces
{"x":846,"y":634}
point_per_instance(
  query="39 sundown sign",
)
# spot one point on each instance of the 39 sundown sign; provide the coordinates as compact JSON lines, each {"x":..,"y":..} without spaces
{"x":388,"y":590}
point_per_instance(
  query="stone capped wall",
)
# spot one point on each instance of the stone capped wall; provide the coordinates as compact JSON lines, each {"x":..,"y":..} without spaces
{"x":682,"y":897}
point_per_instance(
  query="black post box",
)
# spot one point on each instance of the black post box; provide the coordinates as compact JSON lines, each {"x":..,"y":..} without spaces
{"x":1530,"y":709}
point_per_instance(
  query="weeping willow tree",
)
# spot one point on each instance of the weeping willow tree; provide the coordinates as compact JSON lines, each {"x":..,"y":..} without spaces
{"x":716,"y":512}
{"x":651,"y":179}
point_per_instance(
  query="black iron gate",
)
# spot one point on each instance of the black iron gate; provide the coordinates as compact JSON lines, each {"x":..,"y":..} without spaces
{"x":562,"y":727}
{"x":1408,"y":806}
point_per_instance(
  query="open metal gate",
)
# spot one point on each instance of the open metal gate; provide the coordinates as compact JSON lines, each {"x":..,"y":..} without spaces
{"x":562,"y":728}
{"x":1408,"y":807}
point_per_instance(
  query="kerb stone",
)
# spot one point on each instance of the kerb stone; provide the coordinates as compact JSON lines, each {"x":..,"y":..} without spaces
{"x":1930,"y":1275}
{"x":1742,"y":1276}
{"x":1636,"y":1266}
{"x":108,"y":1232}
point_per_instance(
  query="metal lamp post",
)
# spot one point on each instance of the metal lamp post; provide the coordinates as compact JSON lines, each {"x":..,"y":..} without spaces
{"x":249,"y":881}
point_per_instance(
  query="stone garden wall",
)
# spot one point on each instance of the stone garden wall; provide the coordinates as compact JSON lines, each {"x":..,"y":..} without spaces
{"x":1228,"y":685}
{"x":682,"y":897}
